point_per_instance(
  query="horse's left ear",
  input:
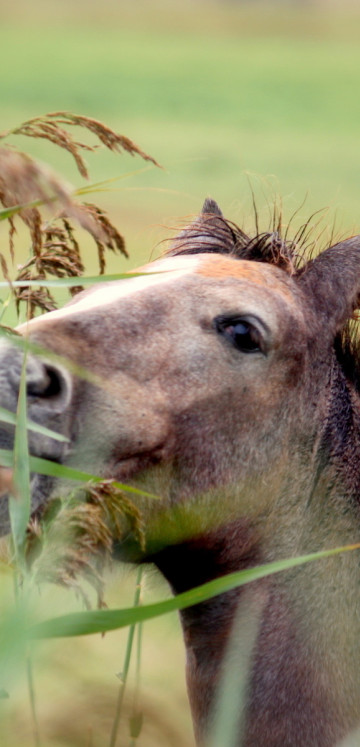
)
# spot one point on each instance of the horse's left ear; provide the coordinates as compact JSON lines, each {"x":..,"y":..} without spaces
{"x":208,"y":232}
{"x":331,"y":282}
{"x":210,"y":207}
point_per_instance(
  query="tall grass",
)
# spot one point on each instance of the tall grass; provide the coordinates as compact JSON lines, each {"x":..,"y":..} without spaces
{"x":97,"y":521}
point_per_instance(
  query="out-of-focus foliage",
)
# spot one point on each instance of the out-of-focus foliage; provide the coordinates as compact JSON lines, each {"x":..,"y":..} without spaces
{"x":215,"y":92}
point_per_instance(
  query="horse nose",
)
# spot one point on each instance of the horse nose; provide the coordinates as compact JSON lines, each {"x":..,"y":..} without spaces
{"x":48,"y":383}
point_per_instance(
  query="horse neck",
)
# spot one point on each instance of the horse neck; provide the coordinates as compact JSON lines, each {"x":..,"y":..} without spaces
{"x":295,"y":616}
{"x":291,"y":636}
{"x":207,"y":626}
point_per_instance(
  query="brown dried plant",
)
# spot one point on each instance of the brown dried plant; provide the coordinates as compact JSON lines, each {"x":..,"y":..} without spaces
{"x":49,"y":126}
{"x":74,"y":538}
{"x":59,"y":255}
{"x":26,"y":186}
{"x":112,"y":239}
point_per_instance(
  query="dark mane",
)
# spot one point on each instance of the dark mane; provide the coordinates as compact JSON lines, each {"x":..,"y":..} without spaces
{"x":212,"y":233}
{"x":221,"y":236}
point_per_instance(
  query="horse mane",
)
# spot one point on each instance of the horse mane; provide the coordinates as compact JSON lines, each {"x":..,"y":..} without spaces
{"x":210,"y":232}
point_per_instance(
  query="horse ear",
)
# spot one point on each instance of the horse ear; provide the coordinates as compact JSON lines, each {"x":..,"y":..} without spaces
{"x":331,"y":282}
{"x":210,"y":207}
{"x":209,"y":232}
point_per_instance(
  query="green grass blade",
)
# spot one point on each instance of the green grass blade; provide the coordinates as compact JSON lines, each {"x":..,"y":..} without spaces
{"x":5,"y":303}
{"x":20,"y":502}
{"x":9,"y":212}
{"x":32,"y":699}
{"x":101,"y":621}
{"x":229,"y":715}
{"x":13,"y":643}
{"x":98,"y":186}
{"x":61,"y":471}
{"x":53,"y":469}
{"x":6,"y":416}
{"x":126,"y":665}
{"x":75,"y":281}
{"x":6,"y":213}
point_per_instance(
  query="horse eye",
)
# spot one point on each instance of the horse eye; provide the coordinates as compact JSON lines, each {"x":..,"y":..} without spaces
{"x":243,"y":335}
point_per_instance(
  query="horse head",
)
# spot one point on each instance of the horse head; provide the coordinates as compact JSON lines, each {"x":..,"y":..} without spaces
{"x":224,"y":380}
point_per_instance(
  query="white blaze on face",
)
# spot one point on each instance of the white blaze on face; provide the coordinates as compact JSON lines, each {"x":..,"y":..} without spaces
{"x":157,"y":273}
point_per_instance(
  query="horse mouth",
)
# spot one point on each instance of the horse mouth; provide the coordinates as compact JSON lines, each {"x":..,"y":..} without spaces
{"x":125,"y":468}
{"x":121,"y":469}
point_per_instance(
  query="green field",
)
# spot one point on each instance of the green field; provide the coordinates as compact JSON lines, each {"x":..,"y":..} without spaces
{"x":214,"y":92}
{"x":223,"y":95}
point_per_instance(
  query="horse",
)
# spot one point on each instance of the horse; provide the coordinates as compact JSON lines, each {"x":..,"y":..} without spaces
{"x":225,"y":379}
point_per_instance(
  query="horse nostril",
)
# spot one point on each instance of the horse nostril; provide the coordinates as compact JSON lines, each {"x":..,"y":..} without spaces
{"x":47,"y":385}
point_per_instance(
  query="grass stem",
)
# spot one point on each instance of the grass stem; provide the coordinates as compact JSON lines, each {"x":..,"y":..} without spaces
{"x":136,"y":718}
{"x":125,"y":670}
{"x":5,"y":304}
{"x":31,"y":688}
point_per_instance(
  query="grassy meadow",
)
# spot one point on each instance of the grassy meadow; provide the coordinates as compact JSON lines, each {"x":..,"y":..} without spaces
{"x":224,"y":95}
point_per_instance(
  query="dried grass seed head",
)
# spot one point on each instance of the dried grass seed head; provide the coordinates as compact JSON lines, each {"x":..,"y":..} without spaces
{"x":75,"y":538}
{"x":51,"y":127}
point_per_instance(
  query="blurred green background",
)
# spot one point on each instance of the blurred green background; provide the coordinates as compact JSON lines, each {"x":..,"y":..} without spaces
{"x":216,"y":92}
{"x":222,"y":94}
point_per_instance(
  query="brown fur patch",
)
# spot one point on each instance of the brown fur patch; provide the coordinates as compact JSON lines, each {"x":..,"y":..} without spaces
{"x":222,"y":268}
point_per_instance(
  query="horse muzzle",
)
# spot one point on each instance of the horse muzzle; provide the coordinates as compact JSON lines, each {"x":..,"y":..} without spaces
{"x":48,"y":393}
